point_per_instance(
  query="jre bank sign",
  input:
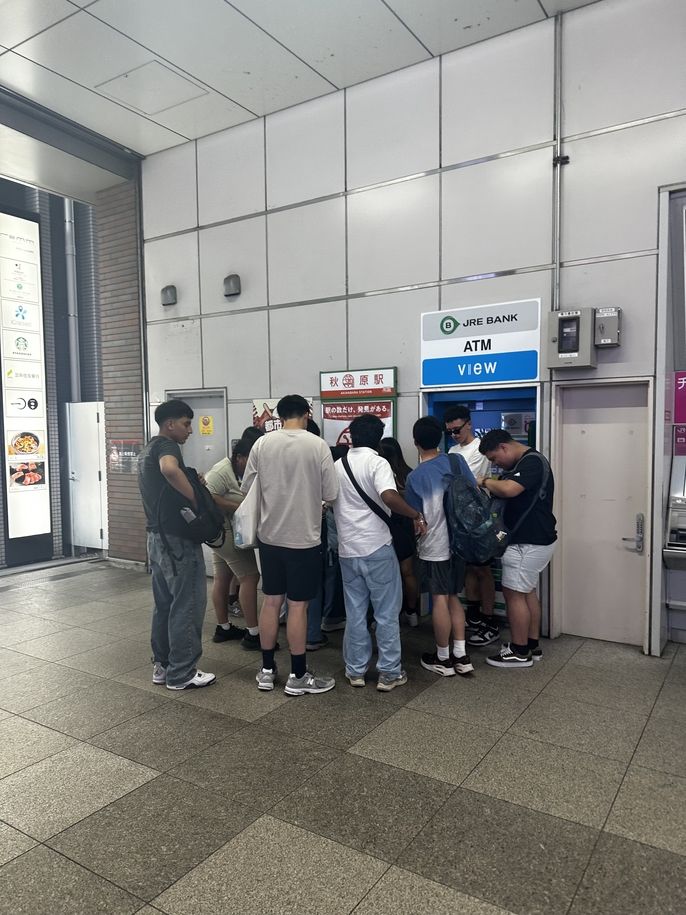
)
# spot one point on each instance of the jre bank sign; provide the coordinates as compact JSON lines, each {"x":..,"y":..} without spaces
{"x":488,"y":344}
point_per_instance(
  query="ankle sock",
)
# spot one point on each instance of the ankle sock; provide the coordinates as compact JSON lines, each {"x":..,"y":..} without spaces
{"x":253,"y":630}
{"x":473,"y":611}
{"x":533,"y":643}
{"x":443,"y":653}
{"x":459,"y":649}
{"x":298,"y":665}
{"x":233,"y":598}
{"x":522,"y":650}
{"x":268,"y":659}
{"x":225,"y":625}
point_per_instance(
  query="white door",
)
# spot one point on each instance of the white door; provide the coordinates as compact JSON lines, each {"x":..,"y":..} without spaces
{"x":602,"y":570}
{"x":208,"y":443}
{"x":87,"y":474}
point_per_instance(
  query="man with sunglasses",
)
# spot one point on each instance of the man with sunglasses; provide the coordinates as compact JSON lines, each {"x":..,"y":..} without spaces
{"x":479,"y":584}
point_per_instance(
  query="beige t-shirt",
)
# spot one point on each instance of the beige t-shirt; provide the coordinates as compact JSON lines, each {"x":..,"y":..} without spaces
{"x":296,"y":475}
{"x":221,"y":481}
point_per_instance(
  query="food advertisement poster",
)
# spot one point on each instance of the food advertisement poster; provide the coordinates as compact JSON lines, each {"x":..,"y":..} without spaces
{"x":22,"y":356}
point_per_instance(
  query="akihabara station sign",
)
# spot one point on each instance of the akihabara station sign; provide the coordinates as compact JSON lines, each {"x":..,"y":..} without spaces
{"x":484,"y":345}
{"x":349,"y":394}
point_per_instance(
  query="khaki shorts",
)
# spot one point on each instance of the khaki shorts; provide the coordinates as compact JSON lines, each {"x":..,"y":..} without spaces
{"x":241,"y":562}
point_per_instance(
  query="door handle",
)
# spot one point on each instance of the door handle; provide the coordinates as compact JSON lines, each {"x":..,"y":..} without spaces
{"x":72,"y":477}
{"x":639,"y":537}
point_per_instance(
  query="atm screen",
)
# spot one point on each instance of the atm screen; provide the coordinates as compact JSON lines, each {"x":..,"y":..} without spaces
{"x":568,"y":338}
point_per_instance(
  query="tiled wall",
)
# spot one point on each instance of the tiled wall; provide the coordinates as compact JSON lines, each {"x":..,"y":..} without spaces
{"x":327,"y":213}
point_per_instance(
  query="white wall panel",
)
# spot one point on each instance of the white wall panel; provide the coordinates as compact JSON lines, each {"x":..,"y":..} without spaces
{"x":231,"y":173}
{"x":239,"y":247}
{"x":408,"y":414}
{"x":630,"y":284}
{"x":622,"y":60}
{"x":306,"y":340}
{"x":305,"y":151}
{"x":393,"y":235}
{"x":170,"y":201}
{"x":23,"y":18}
{"x":384,"y":330}
{"x":498,"y":95}
{"x":172,"y":262}
{"x":173,"y":357}
{"x":307,"y":252}
{"x":236,"y":354}
{"x":240,"y":417}
{"x":392,"y":125}
{"x":536,"y":285}
{"x":498,"y":215}
{"x":610,"y":188}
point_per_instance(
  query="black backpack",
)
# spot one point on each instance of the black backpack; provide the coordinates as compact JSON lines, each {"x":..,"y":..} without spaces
{"x":202,"y":523}
{"x":476,"y":531}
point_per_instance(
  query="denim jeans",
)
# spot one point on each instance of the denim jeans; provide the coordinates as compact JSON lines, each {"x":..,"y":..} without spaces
{"x":314,"y":618}
{"x":376,"y":578}
{"x":180,"y":601}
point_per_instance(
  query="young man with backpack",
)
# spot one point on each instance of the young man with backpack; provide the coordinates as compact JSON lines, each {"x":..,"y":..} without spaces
{"x":528,"y":487}
{"x":479,"y":583}
{"x":176,"y":560}
{"x":442,"y":570}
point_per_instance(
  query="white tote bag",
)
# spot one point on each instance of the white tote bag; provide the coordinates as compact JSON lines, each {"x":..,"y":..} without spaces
{"x":246,"y":518}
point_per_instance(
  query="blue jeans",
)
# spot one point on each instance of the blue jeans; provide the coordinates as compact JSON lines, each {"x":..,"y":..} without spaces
{"x":376,"y":578}
{"x":180,"y":600}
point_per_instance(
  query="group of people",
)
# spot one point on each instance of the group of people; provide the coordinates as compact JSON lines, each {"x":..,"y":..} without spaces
{"x":338,"y":537}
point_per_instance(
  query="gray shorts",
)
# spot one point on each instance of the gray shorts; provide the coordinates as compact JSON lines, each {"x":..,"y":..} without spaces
{"x":443,"y":577}
{"x":522,"y":564}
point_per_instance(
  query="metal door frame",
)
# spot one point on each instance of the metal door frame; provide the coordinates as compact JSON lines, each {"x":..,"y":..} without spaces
{"x":651,"y":533}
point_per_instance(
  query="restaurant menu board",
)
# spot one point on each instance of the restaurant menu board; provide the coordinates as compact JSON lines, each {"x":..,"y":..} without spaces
{"x":22,"y":357}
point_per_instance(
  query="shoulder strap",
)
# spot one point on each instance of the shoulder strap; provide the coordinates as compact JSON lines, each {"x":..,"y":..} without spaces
{"x":363,"y":495}
{"x":540,"y":495}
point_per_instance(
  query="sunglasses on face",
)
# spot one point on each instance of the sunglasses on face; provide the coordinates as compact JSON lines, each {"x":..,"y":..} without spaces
{"x":456,"y":429}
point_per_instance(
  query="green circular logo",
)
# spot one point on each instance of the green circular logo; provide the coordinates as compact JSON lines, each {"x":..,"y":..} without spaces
{"x":449,"y":325}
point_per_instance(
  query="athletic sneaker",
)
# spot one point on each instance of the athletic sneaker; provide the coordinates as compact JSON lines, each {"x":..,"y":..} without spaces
{"x":439,"y":666}
{"x":462,"y":665}
{"x":412,"y":619}
{"x":472,"y":625}
{"x":298,"y":686}
{"x":232,"y":634}
{"x":386,"y":682}
{"x":507,"y":658}
{"x":354,"y":680}
{"x":333,"y":625}
{"x":234,"y":608}
{"x":486,"y":634}
{"x":197,"y":681}
{"x":537,"y":654}
{"x":315,"y":646}
{"x":252,"y":642}
{"x":265,"y":678}
{"x":159,"y":673}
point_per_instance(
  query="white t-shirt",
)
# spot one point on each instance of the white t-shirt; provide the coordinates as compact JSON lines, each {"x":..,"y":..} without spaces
{"x":360,"y":531}
{"x":478,"y":463}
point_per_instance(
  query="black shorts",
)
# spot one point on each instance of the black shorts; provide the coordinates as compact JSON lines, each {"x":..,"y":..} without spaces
{"x":295,"y":573}
{"x":444,"y":577}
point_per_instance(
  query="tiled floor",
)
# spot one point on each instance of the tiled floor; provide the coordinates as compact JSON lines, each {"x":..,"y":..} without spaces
{"x":558,"y":789}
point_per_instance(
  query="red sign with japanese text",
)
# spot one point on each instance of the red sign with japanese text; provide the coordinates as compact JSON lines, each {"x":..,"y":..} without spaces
{"x":366,"y":383}
{"x":680,"y":397}
{"x":336,"y":418}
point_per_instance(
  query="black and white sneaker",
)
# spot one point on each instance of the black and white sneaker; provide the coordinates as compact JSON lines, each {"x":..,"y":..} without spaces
{"x":232,"y":634}
{"x":537,"y":654}
{"x":442,"y":667}
{"x":486,"y":634}
{"x":508,"y":658}
{"x":463,"y":665}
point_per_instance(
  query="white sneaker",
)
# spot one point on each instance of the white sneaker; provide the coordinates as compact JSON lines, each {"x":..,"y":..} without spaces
{"x":196,"y":682}
{"x":159,"y":674}
{"x":412,"y":619}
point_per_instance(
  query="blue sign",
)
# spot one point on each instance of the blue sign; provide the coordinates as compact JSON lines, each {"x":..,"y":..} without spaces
{"x":486,"y":368}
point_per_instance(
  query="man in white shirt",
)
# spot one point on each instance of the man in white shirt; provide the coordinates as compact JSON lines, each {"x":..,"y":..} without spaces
{"x":296,"y":475}
{"x":369,"y":566}
{"x":479,"y":584}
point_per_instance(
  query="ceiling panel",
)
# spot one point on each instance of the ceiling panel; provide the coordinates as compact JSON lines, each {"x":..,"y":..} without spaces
{"x":445,"y":25}
{"x":31,"y":162}
{"x":85,"y":107}
{"x":20,"y":19}
{"x":346,"y":42}
{"x":552,"y":7}
{"x":152,"y":88}
{"x":213,"y":42}
{"x":208,"y":114}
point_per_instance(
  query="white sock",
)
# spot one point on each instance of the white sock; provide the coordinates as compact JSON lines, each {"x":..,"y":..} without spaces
{"x":253,"y":630}
{"x":443,"y":653}
{"x":459,"y":648}
{"x":225,"y":625}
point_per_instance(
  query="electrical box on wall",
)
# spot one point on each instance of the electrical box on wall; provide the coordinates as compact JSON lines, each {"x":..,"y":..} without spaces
{"x":608,"y":327}
{"x":571,"y":337}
